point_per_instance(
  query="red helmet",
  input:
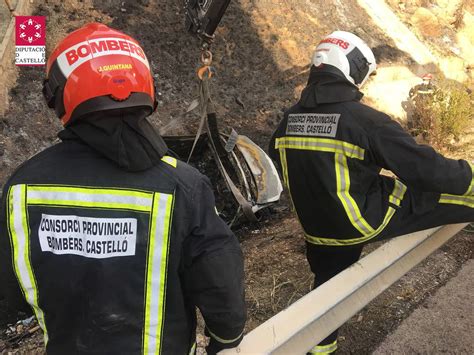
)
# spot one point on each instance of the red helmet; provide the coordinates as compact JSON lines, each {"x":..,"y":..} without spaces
{"x":96,"y":68}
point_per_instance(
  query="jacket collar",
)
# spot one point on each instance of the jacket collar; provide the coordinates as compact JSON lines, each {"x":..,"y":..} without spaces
{"x":123,"y":136}
{"x":326,"y":87}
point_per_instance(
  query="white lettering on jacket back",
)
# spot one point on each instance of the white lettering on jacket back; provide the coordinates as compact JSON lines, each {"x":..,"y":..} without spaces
{"x":313,"y":124}
{"x":89,"y":237}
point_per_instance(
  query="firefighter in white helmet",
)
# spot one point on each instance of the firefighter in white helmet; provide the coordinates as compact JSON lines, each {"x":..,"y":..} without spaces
{"x":331,"y":148}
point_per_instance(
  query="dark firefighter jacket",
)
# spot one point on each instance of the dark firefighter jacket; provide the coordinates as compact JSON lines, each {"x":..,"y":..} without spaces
{"x":114,"y":261}
{"x":331,"y":148}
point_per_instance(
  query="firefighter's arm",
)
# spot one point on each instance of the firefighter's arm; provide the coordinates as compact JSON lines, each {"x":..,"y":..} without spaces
{"x":214,"y":273}
{"x":10,"y":289}
{"x":418,"y":165}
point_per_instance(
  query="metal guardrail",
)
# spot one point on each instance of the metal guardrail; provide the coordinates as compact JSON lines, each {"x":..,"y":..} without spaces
{"x":309,"y":320}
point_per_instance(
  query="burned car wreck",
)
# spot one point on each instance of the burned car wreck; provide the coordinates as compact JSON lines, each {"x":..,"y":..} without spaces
{"x":243,"y":176}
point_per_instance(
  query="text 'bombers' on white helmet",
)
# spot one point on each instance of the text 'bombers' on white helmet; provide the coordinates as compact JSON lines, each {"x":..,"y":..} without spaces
{"x":348,"y":53}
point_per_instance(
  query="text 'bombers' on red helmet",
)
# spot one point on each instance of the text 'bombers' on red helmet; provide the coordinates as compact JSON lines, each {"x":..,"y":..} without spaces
{"x":97,"y":68}
{"x":348,"y":53}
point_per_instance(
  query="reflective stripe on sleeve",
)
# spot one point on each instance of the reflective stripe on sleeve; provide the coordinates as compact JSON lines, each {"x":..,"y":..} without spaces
{"x":224,"y":341}
{"x":90,"y":197}
{"x":155,"y":294}
{"x":20,"y":238}
{"x":398,"y":192}
{"x":343,"y":184}
{"x":324,"y":349}
{"x":461,"y":200}
{"x":470,"y":189}
{"x":396,"y":197}
{"x":322,"y":145}
{"x":170,"y":160}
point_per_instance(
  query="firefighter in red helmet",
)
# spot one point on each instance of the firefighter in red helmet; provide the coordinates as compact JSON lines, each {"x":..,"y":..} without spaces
{"x":331,"y":149}
{"x":111,"y":242}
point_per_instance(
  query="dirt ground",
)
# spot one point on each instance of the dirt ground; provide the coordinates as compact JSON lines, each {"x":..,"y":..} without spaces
{"x":261,"y":55}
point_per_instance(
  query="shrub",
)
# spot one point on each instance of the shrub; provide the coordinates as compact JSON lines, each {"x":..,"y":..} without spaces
{"x":442,"y":115}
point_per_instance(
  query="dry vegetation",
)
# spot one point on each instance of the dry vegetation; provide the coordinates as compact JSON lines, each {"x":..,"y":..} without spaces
{"x":444,"y":115}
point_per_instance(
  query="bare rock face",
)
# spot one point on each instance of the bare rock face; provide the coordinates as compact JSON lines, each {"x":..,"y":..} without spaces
{"x":449,"y":12}
{"x":407,"y":6}
{"x":426,"y":22}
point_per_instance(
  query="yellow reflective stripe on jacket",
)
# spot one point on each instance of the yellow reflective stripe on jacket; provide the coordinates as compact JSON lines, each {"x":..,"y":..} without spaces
{"x":192,"y":351}
{"x":470,"y":189}
{"x":463,"y":200}
{"x":20,"y":240}
{"x":324,"y":349}
{"x":457,"y":200}
{"x":398,"y":192}
{"x":90,"y":197}
{"x":284,"y":167}
{"x":155,"y":295}
{"x":224,"y":341}
{"x":170,"y":160}
{"x":322,"y":145}
{"x":89,"y":190}
{"x":397,"y":196}
{"x":342,"y":150}
{"x":343,"y":184}
{"x":286,"y":179}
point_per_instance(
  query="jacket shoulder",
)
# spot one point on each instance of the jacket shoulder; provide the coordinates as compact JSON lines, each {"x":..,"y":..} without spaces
{"x":365,"y":112}
{"x":368,"y":118}
{"x":23,"y":169}
{"x":183,"y":174}
{"x":296,"y":108}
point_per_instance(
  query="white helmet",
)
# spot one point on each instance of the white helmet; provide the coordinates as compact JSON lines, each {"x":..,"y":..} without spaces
{"x":348,"y":53}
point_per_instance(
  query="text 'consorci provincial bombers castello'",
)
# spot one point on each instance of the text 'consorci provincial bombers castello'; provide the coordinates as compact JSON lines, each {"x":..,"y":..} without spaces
{"x":86,"y":236}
